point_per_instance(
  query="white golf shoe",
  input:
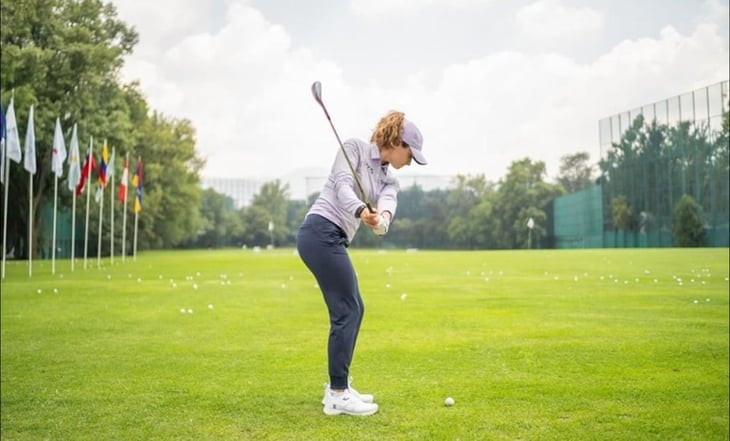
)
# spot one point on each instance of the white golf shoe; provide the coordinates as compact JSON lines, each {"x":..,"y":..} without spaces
{"x":365,"y":398}
{"x":347,"y":403}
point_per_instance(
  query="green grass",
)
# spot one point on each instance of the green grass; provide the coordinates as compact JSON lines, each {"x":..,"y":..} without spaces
{"x":532,"y":345}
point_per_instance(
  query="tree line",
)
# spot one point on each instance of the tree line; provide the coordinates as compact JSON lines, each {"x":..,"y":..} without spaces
{"x":63,"y":57}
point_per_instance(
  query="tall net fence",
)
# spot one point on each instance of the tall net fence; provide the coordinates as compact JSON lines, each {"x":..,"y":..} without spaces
{"x":653,"y":155}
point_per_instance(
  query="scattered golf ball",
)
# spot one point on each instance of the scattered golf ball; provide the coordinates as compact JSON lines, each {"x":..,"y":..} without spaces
{"x":190,"y":311}
{"x":697,"y":301}
{"x":449,"y":402}
{"x":39,"y":291}
{"x":403,"y":296}
{"x":707,"y":300}
{"x":182,"y":310}
{"x":109,"y":276}
{"x":55,"y":291}
{"x":210,"y":306}
{"x":195,"y":286}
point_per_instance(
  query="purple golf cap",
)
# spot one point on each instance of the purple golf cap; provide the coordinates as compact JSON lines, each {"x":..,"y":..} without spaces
{"x":412,"y":136}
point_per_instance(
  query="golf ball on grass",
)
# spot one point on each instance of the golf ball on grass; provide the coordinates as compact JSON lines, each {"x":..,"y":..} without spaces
{"x":449,"y":402}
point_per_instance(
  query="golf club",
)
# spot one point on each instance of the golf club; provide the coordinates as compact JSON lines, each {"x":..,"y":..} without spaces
{"x":317,"y":93}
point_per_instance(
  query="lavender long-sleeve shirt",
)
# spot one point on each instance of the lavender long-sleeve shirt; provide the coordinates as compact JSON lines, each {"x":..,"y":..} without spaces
{"x":340,"y":197}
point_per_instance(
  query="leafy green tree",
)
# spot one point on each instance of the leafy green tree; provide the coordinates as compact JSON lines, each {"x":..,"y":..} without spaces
{"x":522,"y":194}
{"x":576,"y":172}
{"x":687,"y":225}
{"x":621,"y":214}
{"x":270,"y":206}
{"x":62,"y":57}
{"x":220,"y":224}
{"x":470,"y":207}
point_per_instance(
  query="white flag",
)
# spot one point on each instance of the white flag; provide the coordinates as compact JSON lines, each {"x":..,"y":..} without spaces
{"x":12,"y":138}
{"x":59,"y":150}
{"x":74,"y":167}
{"x":29,"y":162}
{"x":110,"y":165}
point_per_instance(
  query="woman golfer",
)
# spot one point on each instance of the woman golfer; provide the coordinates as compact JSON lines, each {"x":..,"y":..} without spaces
{"x":330,"y":225}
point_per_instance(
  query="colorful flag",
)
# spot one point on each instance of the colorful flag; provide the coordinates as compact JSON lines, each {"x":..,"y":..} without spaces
{"x":103,"y":165}
{"x":59,"y":150}
{"x":89,"y":166}
{"x":74,"y":170}
{"x":137,"y":182}
{"x":29,"y":162}
{"x":123,"y":184}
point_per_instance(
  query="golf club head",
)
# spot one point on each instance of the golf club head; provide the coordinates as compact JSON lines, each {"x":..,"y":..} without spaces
{"x":317,"y":91}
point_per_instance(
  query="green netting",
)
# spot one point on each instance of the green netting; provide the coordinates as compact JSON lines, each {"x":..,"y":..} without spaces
{"x":578,"y":220}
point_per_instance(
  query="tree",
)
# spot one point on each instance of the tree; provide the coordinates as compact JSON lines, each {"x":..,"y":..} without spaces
{"x":269,"y":207}
{"x":63,"y":57}
{"x":687,"y":225}
{"x":220,"y":224}
{"x":575,"y":172}
{"x":522,"y":194}
{"x":621,"y":213}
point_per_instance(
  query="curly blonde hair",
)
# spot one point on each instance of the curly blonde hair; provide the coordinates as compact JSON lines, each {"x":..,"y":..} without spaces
{"x":388,"y":132}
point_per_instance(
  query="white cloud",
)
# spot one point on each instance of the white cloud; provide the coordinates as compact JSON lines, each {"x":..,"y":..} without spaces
{"x":246,"y":88}
{"x":551,"y":20}
{"x":714,"y":11}
{"x":372,"y":8}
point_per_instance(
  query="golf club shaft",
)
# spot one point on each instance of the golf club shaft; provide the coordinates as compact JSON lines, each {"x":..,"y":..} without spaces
{"x":316,"y":91}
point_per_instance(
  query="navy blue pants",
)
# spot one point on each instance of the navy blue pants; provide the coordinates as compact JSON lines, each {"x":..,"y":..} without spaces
{"x":322,"y":246}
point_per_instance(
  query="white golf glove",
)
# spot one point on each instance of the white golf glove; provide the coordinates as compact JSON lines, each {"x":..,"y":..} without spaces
{"x":382,"y":228}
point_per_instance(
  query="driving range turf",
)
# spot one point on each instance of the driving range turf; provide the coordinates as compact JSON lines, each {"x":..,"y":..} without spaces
{"x":231,"y":345}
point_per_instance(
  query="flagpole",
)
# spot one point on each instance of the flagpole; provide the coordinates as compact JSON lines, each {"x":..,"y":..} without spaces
{"x":30,"y":166}
{"x":55,"y":207}
{"x":30,"y":226}
{"x":5,"y":216}
{"x":73,"y":231}
{"x":74,"y":176}
{"x":88,"y":197}
{"x":110,"y":173}
{"x":124,"y":216}
{"x":136,"y":216}
{"x":101,"y":225}
{"x":137,"y":201}
{"x":12,"y":141}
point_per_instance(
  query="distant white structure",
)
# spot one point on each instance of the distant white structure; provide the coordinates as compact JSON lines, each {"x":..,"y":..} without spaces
{"x":243,"y":190}
{"x":240,"y":190}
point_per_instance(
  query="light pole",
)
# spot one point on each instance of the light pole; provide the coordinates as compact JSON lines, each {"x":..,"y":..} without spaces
{"x":530,"y":226}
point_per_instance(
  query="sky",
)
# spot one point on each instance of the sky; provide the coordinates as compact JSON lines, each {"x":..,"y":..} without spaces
{"x":488,"y":82}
